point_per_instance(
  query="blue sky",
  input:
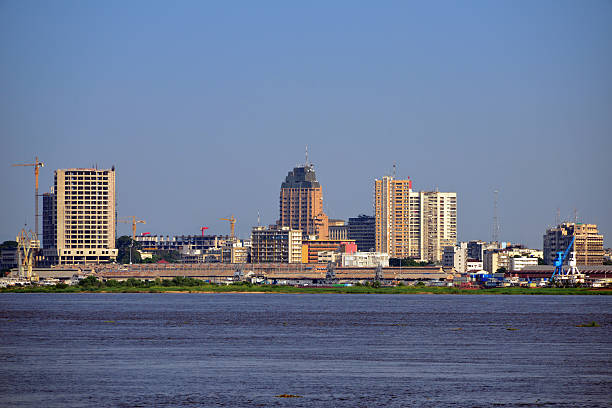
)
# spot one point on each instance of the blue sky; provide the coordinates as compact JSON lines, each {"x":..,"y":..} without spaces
{"x":204,"y":107}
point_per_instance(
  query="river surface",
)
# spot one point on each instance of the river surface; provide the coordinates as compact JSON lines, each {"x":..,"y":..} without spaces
{"x":234,"y":350}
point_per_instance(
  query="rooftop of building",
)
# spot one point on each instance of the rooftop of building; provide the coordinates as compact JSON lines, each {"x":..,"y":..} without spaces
{"x":362,"y":217}
{"x":569,"y":224}
{"x":86,"y":169}
{"x":301,"y":177}
{"x":274,"y":227}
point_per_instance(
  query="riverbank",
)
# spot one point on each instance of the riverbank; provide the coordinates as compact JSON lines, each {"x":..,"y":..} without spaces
{"x":400,"y":290}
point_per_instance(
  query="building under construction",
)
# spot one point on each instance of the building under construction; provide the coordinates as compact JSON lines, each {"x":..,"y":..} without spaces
{"x":198,"y":248}
{"x":79,"y":217}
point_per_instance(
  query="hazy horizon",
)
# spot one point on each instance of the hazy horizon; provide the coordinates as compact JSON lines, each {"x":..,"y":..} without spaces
{"x":203,"y":108}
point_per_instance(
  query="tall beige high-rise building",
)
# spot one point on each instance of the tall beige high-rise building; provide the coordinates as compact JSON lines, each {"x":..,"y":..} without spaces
{"x":301,"y":203}
{"x":81,"y":215}
{"x":413,"y":224}
{"x":588,"y":244}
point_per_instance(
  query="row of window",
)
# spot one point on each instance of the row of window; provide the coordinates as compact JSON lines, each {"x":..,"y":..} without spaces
{"x":88,"y":175}
{"x":88,"y":233}
{"x":87,"y":186}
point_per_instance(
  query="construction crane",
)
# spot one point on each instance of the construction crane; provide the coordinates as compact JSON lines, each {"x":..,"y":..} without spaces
{"x":203,"y":228}
{"x":132,"y":221}
{"x":560,"y":259}
{"x":37,"y":164}
{"x":232,"y":222}
{"x":27,"y":245}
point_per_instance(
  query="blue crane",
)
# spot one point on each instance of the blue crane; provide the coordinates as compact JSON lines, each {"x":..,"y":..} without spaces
{"x":560,"y":259}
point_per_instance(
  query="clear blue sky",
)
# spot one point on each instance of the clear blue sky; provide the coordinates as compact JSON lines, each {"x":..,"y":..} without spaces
{"x":203,"y":107}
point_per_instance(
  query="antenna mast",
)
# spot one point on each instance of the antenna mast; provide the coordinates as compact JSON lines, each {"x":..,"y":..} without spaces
{"x":575,"y":216}
{"x":495,"y":235}
{"x":306,"y":155}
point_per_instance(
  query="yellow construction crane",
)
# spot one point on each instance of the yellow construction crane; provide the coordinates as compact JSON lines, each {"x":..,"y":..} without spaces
{"x":133,"y":221}
{"x":37,"y":164}
{"x":232,"y":221}
{"x":27,"y":245}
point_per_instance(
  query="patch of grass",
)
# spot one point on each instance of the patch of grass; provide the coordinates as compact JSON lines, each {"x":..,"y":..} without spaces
{"x":191,"y":285}
{"x":592,"y":324}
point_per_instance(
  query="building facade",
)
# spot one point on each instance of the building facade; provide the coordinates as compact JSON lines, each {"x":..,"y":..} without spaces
{"x":588,"y":243}
{"x":338,"y":229}
{"x":301,"y":203}
{"x":476,"y":249}
{"x":8,"y":257}
{"x":276,"y":244}
{"x":153,"y":243}
{"x":494,"y":259}
{"x":49,"y":218}
{"x":413,"y":224}
{"x":519,"y":263}
{"x":472,"y":265}
{"x":456,"y":256}
{"x":79,"y":217}
{"x":235,"y":253}
{"x":362,"y":229}
{"x":312,"y":248}
{"x":365,"y":260}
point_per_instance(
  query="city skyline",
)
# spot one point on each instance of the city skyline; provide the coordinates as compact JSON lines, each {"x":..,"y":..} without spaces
{"x":197,"y":116}
{"x":127,"y":228}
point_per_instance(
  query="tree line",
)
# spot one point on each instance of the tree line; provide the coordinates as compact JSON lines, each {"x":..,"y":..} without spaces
{"x":128,"y":249}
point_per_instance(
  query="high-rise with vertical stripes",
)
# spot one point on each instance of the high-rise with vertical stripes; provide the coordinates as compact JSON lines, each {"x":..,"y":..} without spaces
{"x":301,"y":203}
{"x":411,"y":224}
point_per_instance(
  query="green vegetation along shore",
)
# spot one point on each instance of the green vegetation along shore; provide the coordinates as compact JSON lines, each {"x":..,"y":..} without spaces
{"x":190,"y":285}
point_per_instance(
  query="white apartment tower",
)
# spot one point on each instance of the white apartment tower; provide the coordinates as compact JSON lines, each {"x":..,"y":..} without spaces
{"x":276,"y":244}
{"x":413,"y":224}
{"x":82,"y":215}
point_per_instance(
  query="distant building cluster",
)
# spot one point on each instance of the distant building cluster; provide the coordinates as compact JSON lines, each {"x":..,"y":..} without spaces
{"x":80,"y":217}
{"x":588,"y":243}
{"x":492,"y":257}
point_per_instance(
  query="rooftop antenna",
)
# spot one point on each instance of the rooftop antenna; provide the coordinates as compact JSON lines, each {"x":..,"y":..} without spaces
{"x":258,"y":219}
{"x":495,"y":235}
{"x":394,"y":170}
{"x":575,"y":215}
{"x":306,"y":155}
